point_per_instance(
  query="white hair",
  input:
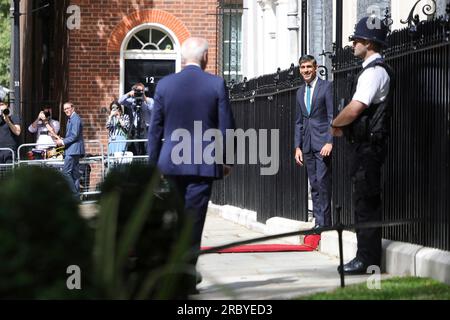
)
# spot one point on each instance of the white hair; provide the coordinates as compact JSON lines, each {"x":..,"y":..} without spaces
{"x":192,"y":49}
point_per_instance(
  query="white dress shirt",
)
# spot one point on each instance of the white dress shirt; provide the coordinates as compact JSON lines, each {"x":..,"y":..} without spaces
{"x":373,"y":84}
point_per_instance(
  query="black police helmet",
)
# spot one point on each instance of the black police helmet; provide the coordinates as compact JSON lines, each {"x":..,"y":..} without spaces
{"x":371,"y":29}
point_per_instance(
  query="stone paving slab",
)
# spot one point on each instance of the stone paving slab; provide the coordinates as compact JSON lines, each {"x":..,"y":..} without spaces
{"x":262,"y":276}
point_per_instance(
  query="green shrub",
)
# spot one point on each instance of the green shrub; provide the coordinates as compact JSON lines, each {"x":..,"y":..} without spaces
{"x":41,"y":235}
{"x":142,"y":237}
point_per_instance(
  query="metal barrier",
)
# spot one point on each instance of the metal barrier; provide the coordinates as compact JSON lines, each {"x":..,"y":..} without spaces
{"x":125,"y":157}
{"x":6,"y":168}
{"x":92,"y":168}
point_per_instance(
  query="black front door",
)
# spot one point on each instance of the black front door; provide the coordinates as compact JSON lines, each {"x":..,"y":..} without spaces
{"x":148,"y":72}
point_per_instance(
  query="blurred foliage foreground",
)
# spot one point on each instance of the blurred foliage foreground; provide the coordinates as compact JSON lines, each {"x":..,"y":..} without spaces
{"x":136,"y":248}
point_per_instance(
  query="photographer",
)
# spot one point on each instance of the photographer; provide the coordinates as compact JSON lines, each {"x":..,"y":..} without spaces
{"x":138,"y":107}
{"x":46,"y":128}
{"x":118,"y":125}
{"x":9,"y":132}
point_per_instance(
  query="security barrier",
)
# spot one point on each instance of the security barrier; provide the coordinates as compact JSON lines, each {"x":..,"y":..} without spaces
{"x":92,"y":167}
{"x":124,"y":157}
{"x":7,"y":168}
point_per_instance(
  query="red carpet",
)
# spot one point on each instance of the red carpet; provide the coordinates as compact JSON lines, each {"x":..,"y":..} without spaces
{"x":311,"y":243}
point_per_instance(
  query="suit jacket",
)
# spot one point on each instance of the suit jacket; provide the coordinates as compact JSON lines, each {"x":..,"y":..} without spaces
{"x":73,"y":142}
{"x":180,"y":100}
{"x":312,"y":131}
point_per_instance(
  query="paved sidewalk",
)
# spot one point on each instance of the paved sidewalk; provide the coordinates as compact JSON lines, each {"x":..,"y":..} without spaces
{"x":261,"y":276}
{"x":257,"y":276}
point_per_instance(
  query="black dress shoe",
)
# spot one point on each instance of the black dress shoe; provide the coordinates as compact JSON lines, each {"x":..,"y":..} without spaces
{"x":355,"y":266}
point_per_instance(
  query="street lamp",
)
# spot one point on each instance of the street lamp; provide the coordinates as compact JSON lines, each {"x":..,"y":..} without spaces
{"x":15,"y":54}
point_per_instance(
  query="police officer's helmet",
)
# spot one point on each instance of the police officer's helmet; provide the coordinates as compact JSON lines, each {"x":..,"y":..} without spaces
{"x":371,"y":29}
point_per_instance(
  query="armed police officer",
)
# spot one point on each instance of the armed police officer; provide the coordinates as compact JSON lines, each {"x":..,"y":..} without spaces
{"x":138,"y":107}
{"x":365,"y":124}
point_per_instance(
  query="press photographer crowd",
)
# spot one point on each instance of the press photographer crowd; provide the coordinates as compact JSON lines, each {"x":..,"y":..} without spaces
{"x":128,"y":120}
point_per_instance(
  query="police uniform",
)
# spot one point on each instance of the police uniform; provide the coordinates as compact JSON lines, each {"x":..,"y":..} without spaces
{"x":367,"y":135}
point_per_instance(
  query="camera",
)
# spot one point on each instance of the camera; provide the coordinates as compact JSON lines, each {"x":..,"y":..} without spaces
{"x":5,"y":112}
{"x":47,"y":114}
{"x":138,"y":93}
{"x":138,"y":97}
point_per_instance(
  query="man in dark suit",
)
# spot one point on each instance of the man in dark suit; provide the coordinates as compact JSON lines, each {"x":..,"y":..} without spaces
{"x":313,"y":141}
{"x":188,"y":104}
{"x":73,"y":148}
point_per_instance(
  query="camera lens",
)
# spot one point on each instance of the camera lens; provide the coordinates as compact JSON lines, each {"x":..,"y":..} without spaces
{"x":6,"y":112}
{"x":47,"y":114}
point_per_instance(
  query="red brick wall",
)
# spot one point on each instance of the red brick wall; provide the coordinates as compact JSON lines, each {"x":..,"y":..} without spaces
{"x":94,"y":49}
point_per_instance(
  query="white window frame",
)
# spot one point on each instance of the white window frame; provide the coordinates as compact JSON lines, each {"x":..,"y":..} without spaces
{"x":140,"y":54}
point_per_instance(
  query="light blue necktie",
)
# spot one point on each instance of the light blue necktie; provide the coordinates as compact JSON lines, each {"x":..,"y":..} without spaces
{"x":308,"y":98}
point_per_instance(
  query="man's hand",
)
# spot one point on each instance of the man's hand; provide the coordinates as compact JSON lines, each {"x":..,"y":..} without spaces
{"x":131,"y":93}
{"x":59,"y":142}
{"x":299,"y":156}
{"x":336,"y":132}
{"x":326,"y":150}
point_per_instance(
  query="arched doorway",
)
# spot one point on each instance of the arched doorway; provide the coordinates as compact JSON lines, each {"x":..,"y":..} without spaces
{"x":149,"y":52}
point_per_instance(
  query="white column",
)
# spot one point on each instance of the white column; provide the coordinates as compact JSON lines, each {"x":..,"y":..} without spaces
{"x":334,"y":20}
{"x":249,"y":39}
{"x":259,"y":54}
{"x":283,"y":37}
{"x":293,"y":27}
{"x":270,"y":36}
{"x":349,"y":20}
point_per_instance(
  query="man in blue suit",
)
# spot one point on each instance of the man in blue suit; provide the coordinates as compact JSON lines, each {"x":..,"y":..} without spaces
{"x":313,"y":141}
{"x":186,"y":105}
{"x":73,"y":148}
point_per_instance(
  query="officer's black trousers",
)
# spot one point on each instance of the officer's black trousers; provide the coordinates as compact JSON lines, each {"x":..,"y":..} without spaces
{"x":365,"y":168}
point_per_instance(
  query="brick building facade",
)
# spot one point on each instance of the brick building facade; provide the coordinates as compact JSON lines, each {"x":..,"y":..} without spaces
{"x":90,"y":52}
{"x":97,"y":59}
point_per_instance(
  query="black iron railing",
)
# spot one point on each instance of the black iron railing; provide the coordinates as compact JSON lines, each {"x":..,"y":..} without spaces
{"x":416,"y":174}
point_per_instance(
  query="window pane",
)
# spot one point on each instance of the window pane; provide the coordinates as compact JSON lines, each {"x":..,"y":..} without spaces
{"x":134,"y":44}
{"x":226,"y":27}
{"x":144,"y":36}
{"x":166,"y":44}
{"x":157,"y":36}
{"x":232,"y":45}
{"x":226,"y":55}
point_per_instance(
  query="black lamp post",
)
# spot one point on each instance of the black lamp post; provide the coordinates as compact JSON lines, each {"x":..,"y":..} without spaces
{"x":15,"y":12}
{"x":339,"y":18}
